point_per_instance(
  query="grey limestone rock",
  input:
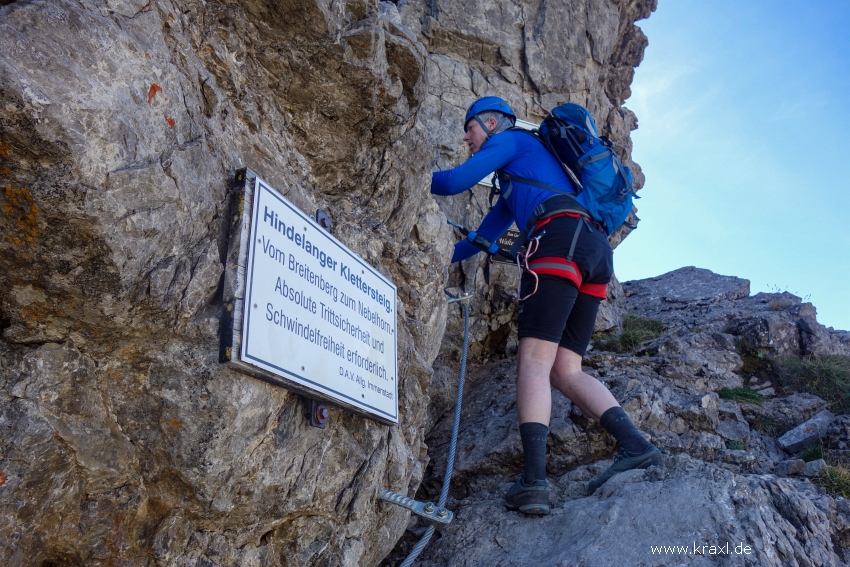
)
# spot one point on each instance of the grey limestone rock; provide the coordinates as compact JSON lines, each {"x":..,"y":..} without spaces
{"x":733,"y":430}
{"x":686,"y":504}
{"x":838,"y":435}
{"x":812,"y":468}
{"x":785,"y":413}
{"x":125,"y":442}
{"x":685,"y":289}
{"x":790,"y":467}
{"x":697,"y":299}
{"x":807,"y":433}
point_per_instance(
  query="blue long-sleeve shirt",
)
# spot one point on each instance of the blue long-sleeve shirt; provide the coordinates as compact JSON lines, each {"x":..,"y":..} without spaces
{"x":517,"y":154}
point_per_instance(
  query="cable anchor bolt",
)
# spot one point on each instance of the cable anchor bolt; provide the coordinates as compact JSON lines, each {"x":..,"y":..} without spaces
{"x":438,"y":517}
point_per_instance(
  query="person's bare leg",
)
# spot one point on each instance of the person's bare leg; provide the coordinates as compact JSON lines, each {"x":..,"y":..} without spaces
{"x":530,"y":494}
{"x":533,"y":389}
{"x":597,"y":402}
{"x":585,"y":391}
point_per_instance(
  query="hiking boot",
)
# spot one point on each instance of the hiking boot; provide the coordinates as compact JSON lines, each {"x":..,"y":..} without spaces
{"x":625,"y":462}
{"x":528,"y":498}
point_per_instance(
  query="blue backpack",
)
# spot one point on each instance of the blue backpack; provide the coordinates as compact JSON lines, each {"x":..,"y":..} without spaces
{"x":604,"y":183}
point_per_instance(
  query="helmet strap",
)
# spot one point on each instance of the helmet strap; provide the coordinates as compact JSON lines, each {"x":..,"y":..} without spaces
{"x":483,"y":126}
{"x":499,"y":121}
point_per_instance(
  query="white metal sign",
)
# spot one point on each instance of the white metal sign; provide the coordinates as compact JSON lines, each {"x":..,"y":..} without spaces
{"x":316,"y":313}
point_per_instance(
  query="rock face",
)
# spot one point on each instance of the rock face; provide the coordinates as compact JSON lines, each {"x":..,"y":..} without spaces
{"x":724,"y":458}
{"x":699,"y":512}
{"x":123,"y":441}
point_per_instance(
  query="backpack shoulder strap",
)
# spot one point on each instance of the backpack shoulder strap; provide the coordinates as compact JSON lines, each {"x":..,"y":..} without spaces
{"x":510,"y":179}
{"x":546,"y":144}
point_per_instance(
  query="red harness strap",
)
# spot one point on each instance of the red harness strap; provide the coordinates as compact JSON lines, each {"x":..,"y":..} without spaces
{"x":555,"y":266}
{"x":599,"y":290}
{"x":543,"y":222}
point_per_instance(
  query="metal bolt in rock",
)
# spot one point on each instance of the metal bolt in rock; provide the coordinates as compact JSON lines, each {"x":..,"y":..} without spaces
{"x":321,"y":414}
{"x":318,"y":415}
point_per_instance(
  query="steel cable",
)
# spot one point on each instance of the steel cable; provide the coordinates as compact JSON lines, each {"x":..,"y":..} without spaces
{"x":444,"y":493}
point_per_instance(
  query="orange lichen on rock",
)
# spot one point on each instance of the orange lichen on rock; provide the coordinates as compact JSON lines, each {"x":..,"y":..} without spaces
{"x":34,"y":317}
{"x":171,"y":121}
{"x":34,"y":314}
{"x":2,"y":478}
{"x":20,"y":211}
{"x":174,"y":423}
{"x":4,"y":149}
{"x":152,"y":91}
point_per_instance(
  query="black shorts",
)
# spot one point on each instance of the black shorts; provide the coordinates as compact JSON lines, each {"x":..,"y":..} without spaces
{"x":558,"y":312}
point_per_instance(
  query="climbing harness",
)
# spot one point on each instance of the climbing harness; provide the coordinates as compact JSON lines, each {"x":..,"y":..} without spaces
{"x":438,"y":516}
{"x":550,"y":265}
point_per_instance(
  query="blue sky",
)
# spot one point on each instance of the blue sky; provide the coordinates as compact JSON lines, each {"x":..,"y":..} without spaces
{"x":744,"y":137}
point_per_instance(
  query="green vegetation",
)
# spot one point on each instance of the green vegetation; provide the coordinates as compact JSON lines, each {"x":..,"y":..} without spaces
{"x":836,"y":480}
{"x":742,"y":394}
{"x":766,"y":425}
{"x":756,"y":361}
{"x":738,"y":445}
{"x":827,"y":376}
{"x":814,"y":452}
{"x":636,"y":331}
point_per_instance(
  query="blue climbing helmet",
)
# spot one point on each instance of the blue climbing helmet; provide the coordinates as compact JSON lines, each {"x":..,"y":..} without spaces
{"x":488,"y":104}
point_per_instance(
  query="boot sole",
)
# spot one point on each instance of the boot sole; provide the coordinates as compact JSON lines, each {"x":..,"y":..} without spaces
{"x":531,"y":502}
{"x":655,"y":459}
{"x":538,"y":509}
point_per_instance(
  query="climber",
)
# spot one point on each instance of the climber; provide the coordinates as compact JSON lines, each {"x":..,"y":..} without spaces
{"x":559,"y":298}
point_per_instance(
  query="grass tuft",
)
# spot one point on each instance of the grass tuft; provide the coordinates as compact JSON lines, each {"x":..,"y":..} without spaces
{"x":636,"y":331}
{"x":826,"y":376}
{"x":766,"y":425}
{"x":836,"y":480}
{"x":742,"y":394}
{"x":814,"y":452}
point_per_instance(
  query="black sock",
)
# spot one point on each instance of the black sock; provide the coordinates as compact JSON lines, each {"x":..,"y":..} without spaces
{"x":534,"y":449}
{"x":617,"y":423}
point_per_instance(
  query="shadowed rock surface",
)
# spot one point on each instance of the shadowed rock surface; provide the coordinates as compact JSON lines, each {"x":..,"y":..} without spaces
{"x":123,"y":441}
